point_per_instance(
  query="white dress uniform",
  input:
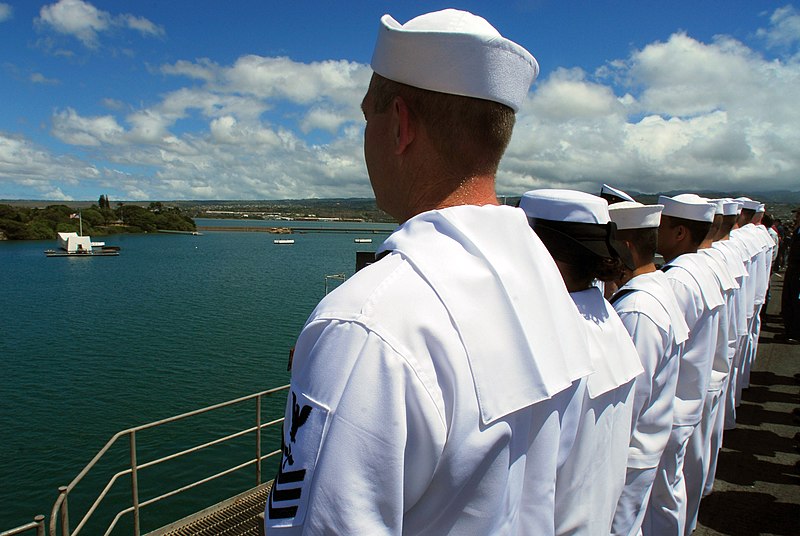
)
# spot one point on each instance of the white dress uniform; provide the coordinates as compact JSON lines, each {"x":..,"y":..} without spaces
{"x":648,"y":310}
{"x":432,"y":393}
{"x":699,"y":297}
{"x":748,"y":251}
{"x":707,"y":435}
{"x":764,"y":239}
{"x":734,"y":257}
{"x":757,"y":289}
{"x":590,"y":483}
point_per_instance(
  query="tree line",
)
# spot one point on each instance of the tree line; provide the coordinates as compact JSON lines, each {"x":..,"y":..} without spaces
{"x":24,"y":223}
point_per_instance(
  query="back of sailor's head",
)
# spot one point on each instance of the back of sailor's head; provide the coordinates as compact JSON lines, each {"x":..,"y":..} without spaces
{"x":637,"y":224}
{"x":577,"y":230}
{"x":693,"y":212}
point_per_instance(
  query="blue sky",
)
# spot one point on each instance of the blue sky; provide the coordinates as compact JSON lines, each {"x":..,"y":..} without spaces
{"x":259,"y":100}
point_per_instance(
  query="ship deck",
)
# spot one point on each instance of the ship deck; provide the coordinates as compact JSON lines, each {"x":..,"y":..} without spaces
{"x":238,"y":516}
{"x":757,"y":489}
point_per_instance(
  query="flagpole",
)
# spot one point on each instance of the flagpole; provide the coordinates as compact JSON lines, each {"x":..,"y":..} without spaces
{"x":80,"y":223}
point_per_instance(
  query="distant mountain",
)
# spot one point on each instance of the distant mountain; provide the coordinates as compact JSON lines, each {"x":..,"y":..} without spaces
{"x":773,"y":196}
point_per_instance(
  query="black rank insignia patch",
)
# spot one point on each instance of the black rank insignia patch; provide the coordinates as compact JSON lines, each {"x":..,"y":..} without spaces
{"x":303,"y":429}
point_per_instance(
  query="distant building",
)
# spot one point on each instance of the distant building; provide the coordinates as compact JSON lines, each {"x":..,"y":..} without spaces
{"x":73,"y":243}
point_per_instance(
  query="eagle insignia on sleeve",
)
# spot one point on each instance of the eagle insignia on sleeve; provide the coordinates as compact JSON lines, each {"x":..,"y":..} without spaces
{"x":300,"y":444}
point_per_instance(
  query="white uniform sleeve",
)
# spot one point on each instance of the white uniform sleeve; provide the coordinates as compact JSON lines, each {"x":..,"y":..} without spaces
{"x":361,"y":436}
{"x":654,"y":390}
{"x":689,"y":303}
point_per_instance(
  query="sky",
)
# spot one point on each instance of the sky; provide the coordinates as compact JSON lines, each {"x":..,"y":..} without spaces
{"x":258,"y":99}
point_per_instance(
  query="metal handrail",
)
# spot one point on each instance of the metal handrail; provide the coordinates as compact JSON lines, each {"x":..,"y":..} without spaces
{"x":60,"y":511}
{"x":37,"y":524}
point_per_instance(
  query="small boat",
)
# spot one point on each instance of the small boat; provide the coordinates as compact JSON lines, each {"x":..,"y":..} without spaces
{"x":362,"y":240}
{"x":283,"y":241}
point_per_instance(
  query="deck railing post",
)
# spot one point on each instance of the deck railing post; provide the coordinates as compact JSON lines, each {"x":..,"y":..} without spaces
{"x":39,"y":525}
{"x":258,"y":440}
{"x":64,"y":511}
{"x":134,"y":485}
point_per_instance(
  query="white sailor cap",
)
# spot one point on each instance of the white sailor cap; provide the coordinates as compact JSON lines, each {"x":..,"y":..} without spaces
{"x":455,"y":52}
{"x":688,"y":207}
{"x":573,"y":225}
{"x":761,"y":207}
{"x":730,"y":207}
{"x":565,"y":205}
{"x":747,"y":203}
{"x":633,"y":215}
{"x":613,"y":195}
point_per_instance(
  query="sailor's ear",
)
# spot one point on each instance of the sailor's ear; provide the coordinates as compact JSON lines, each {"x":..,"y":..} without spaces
{"x":403,"y":125}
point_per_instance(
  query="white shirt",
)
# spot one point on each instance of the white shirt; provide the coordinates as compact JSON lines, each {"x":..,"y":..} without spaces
{"x":648,"y":310}
{"x":738,"y":269}
{"x":776,"y":240}
{"x":754,"y":247}
{"x":590,"y":482}
{"x":431,"y":393}
{"x":729,"y":287}
{"x":699,"y":297}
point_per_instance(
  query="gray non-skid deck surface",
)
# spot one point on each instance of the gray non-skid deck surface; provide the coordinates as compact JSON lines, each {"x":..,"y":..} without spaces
{"x":757,"y":490}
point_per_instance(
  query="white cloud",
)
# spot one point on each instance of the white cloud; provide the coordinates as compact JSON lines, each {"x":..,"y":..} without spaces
{"x":202,"y":69}
{"x":688,"y":115}
{"x":282,"y":78}
{"x":85,"y":22}
{"x":240,"y":154}
{"x":71,"y":128}
{"x":675,"y":114}
{"x":323,"y":119}
{"x":77,"y":18}
{"x":140,"y":24}
{"x":785,"y":28}
{"x":5,"y":12}
{"x":149,"y":126}
{"x":567,"y":95}
{"x":24,"y":163}
{"x":113,"y":104}
{"x":39,"y":78}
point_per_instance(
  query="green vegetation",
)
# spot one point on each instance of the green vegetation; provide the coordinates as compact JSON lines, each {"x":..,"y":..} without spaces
{"x":28,"y":223}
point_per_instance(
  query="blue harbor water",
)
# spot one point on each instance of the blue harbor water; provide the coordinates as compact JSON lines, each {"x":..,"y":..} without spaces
{"x":91,"y":346}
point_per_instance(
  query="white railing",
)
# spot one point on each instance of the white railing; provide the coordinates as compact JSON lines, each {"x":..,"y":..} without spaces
{"x":60,"y":513}
{"x":37,"y":524}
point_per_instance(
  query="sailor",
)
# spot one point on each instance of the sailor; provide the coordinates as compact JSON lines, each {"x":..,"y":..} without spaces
{"x":685,"y":222}
{"x":576,"y":229}
{"x":722,"y":249}
{"x":648,"y":310}
{"x":614,"y":195}
{"x":766,"y":257}
{"x":707,"y":435}
{"x":611,"y":195}
{"x":739,"y":263}
{"x":756,"y":248}
{"x":431,"y":393}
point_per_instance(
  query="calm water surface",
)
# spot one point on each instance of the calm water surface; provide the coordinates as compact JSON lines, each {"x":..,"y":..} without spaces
{"x":91,"y":346}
